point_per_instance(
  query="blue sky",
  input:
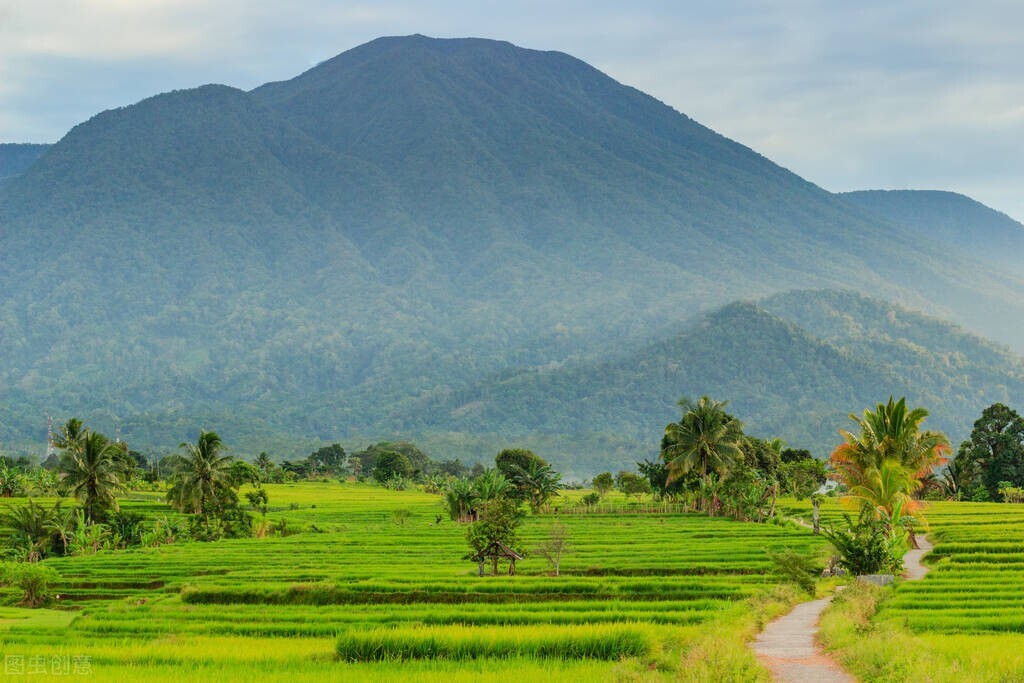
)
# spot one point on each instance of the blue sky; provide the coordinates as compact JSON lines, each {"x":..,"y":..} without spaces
{"x":907,"y":94}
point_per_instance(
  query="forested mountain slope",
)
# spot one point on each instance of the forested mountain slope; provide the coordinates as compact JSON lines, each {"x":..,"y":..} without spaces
{"x":321,"y":258}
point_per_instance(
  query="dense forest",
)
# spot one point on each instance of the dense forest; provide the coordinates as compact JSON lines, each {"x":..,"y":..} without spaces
{"x":364,"y":251}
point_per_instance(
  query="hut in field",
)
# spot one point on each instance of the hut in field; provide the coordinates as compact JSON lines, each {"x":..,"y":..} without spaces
{"x":496,"y":552}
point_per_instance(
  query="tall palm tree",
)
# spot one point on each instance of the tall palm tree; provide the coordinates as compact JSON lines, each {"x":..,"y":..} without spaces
{"x":93,"y":473}
{"x":890,"y":432}
{"x":706,"y":439}
{"x":70,"y":435}
{"x":200,"y":475}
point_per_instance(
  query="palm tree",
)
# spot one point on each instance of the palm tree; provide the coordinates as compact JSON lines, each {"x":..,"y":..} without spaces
{"x":491,"y":485}
{"x":29,"y":529}
{"x":538,"y":481}
{"x":890,"y":432}
{"x":63,"y":522}
{"x":93,"y":473}
{"x":886,"y":491}
{"x":706,"y":439}
{"x":71,"y":434}
{"x":200,"y":475}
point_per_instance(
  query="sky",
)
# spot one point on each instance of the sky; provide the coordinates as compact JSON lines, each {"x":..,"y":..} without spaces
{"x":919,"y":94}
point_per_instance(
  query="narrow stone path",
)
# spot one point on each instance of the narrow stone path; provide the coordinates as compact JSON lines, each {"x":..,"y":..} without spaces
{"x":789,"y":648}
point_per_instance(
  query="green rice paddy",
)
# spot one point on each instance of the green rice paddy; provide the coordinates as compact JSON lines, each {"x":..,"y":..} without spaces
{"x":357,"y":595}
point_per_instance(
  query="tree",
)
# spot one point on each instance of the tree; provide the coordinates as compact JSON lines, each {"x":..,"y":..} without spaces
{"x":537,"y":483}
{"x":554,"y":546}
{"x":498,"y":523}
{"x":460,"y":499}
{"x":512,"y":462}
{"x":201,"y":476}
{"x":603,"y":483}
{"x":706,"y":439}
{"x":993,"y":454}
{"x":889,"y":432}
{"x":882,"y":466}
{"x":92,"y":473}
{"x":328,"y":460}
{"x":801,"y":478}
{"x":30,"y":530}
{"x":12,"y":482}
{"x":264,"y":463}
{"x":390,"y":464}
{"x":633,"y":485}
{"x":70,"y":434}
{"x":492,"y":485}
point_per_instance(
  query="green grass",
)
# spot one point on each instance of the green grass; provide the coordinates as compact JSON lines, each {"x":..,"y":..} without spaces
{"x":641,"y":596}
{"x":963,"y":622}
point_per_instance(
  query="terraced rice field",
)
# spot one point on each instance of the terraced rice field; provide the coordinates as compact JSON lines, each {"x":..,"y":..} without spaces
{"x":359,"y":596}
{"x":965,"y":620}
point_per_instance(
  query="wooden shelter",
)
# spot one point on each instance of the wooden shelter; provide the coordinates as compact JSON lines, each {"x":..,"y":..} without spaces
{"x":495,"y":552}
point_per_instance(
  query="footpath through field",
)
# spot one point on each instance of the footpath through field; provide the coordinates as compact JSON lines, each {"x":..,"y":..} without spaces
{"x":789,"y":645}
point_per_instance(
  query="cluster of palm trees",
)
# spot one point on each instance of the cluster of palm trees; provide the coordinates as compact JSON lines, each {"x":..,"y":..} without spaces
{"x":882,"y":463}
{"x":535,"y":482}
{"x":727,"y":474}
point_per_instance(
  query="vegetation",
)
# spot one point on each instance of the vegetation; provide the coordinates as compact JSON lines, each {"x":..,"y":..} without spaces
{"x":683,"y":584}
{"x":882,"y":467}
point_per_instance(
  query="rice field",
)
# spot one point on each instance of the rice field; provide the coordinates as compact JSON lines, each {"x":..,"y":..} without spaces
{"x":964,"y":621}
{"x":360,"y":593}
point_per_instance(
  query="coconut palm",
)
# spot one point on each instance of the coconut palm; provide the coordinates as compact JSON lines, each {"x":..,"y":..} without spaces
{"x":886,"y":491}
{"x":890,"y":432}
{"x":92,"y":473}
{"x":201,"y":475}
{"x":71,"y":433}
{"x":707,"y":439}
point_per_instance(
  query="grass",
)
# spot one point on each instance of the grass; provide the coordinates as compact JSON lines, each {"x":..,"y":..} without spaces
{"x":358,"y":596}
{"x":963,"y":622}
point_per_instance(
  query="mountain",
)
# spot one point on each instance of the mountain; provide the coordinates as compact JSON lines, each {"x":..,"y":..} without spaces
{"x":16,"y":157}
{"x":793,"y":365}
{"x":324,"y":257}
{"x":950,"y":219}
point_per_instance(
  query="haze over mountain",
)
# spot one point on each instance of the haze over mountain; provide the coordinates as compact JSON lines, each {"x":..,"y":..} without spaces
{"x":323,"y":257}
{"x":795,"y":364}
{"x":15,"y":158}
{"x":950,"y":219}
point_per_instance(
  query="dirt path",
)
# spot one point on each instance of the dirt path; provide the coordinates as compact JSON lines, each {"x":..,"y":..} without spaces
{"x":789,"y":646}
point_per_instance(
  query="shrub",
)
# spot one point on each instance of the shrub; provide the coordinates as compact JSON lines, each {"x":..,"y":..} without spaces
{"x":866,"y":547}
{"x":591,"y":499}
{"x":35,"y":580}
{"x":795,"y":568}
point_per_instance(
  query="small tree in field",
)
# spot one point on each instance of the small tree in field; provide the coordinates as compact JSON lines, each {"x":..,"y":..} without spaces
{"x":554,"y":546}
{"x":497,"y":526}
{"x":633,"y":485}
{"x":603,"y":483}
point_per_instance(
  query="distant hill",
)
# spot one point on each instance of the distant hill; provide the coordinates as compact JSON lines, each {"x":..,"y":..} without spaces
{"x":338,"y":255}
{"x":794,"y":365}
{"x":951,"y":219}
{"x":16,"y":157}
